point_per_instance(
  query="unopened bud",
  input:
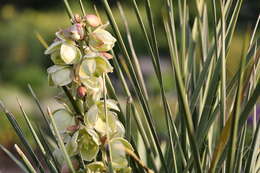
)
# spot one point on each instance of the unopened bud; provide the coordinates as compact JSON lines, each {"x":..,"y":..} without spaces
{"x":75,"y":32}
{"x":103,"y":139}
{"x":77,"y":18}
{"x":92,"y":20}
{"x":81,"y":91}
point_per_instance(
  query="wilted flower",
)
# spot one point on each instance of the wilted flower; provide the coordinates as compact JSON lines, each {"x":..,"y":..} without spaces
{"x":92,"y":20}
{"x":63,"y":119}
{"x":101,"y":40}
{"x":88,"y":144}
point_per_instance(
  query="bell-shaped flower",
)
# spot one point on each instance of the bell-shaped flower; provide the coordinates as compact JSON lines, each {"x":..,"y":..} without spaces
{"x":88,"y":141}
{"x":94,"y":85}
{"x":101,"y":40}
{"x":63,"y":119}
{"x":72,"y":145}
{"x":110,"y":104}
{"x":107,"y":125}
{"x":92,"y":20}
{"x":94,"y":65}
{"x":91,"y":116}
{"x":60,"y":75}
{"x":96,"y":167}
{"x":64,"y":52}
{"x":118,"y":148}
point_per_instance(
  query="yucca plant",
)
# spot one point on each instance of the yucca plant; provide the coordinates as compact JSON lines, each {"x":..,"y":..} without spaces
{"x":208,"y":132}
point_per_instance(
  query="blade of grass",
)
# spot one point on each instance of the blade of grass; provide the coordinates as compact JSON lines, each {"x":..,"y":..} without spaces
{"x":128,"y":118}
{"x":235,"y":118}
{"x":47,"y":147}
{"x":112,"y":94}
{"x":140,"y":92}
{"x":68,"y":9}
{"x":136,"y":64}
{"x":220,"y":146}
{"x":154,"y":54}
{"x":41,"y":110}
{"x":223,"y":63}
{"x":184,"y":103}
{"x":37,"y":140}
{"x":60,"y":142}
{"x":21,"y":135}
{"x":31,"y":128}
{"x":136,"y":115}
{"x":82,"y":8}
{"x":250,"y":104}
{"x":108,"y":153}
{"x":17,"y":162}
{"x":26,"y":161}
{"x":240,"y":151}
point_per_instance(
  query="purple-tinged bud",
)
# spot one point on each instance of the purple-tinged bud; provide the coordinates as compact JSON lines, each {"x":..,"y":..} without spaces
{"x":74,"y":32}
{"x":81,"y":91}
{"x":77,"y":19}
{"x":92,"y":20}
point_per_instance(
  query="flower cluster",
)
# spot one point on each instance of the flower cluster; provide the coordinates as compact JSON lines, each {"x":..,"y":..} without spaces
{"x":80,"y":56}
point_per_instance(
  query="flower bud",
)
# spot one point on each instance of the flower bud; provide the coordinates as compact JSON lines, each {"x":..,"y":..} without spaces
{"x":103,"y":139}
{"x":60,"y":75}
{"x":92,"y":20}
{"x":81,"y":91}
{"x":101,"y":40}
{"x":77,"y":18}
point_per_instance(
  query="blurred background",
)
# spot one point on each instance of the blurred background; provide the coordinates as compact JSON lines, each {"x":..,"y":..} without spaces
{"x":22,"y":60}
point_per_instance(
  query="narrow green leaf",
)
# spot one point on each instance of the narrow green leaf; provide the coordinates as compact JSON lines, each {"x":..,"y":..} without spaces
{"x":18,"y":163}
{"x":22,"y":137}
{"x":36,"y":138}
{"x":26,"y":161}
{"x":60,"y":142}
{"x":184,"y":102}
{"x":136,"y":85}
{"x":254,"y":151}
{"x":68,"y":9}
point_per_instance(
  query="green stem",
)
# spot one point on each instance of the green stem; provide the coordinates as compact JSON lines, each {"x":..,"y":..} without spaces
{"x":72,"y":100}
